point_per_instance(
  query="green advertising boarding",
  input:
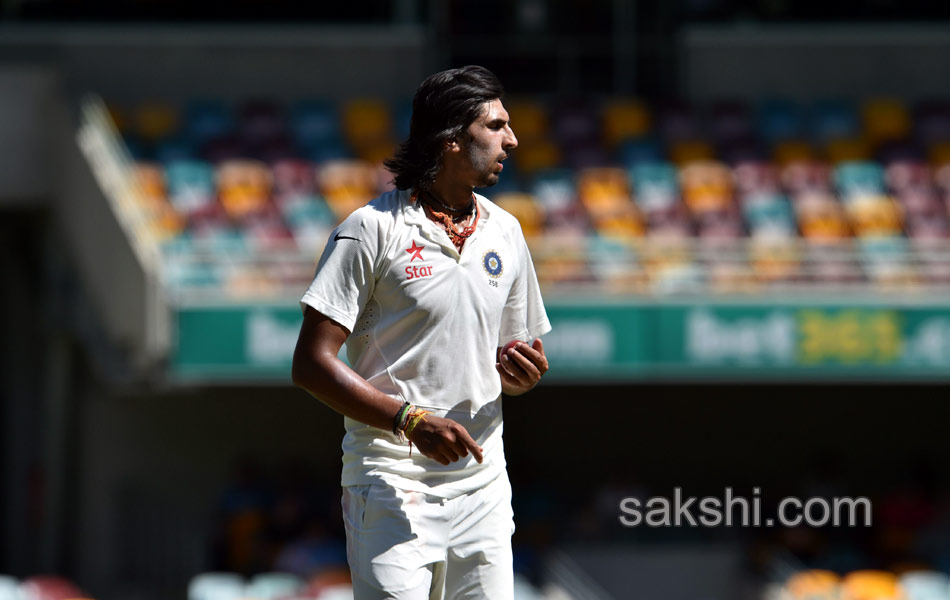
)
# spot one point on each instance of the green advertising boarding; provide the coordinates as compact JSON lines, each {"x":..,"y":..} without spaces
{"x":601,"y":341}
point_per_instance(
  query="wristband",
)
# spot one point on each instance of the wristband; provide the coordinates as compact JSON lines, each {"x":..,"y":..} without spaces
{"x":415,"y":417}
{"x":400,"y":419}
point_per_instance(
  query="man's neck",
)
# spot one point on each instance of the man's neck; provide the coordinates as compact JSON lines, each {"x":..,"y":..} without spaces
{"x":454,"y":194}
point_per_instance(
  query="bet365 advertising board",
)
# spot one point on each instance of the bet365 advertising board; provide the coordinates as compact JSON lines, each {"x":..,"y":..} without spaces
{"x":601,"y":341}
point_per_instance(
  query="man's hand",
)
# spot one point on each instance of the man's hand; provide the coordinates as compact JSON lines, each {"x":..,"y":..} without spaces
{"x":522,"y":367}
{"x":444,"y":440}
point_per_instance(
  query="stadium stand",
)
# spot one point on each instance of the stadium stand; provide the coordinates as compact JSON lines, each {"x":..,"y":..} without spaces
{"x":698,"y":200}
{"x":216,"y":586}
{"x":9,"y":588}
{"x":49,"y":587}
{"x":863,"y":585}
{"x":754,"y":199}
{"x":269,"y":586}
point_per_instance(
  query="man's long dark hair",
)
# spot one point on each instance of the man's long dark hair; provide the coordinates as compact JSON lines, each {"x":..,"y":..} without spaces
{"x":444,"y":106}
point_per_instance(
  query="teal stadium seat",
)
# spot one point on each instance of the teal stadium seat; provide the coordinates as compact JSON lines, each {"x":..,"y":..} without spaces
{"x":402,"y":113}
{"x":780,"y":120}
{"x":175,"y":148}
{"x":770,"y":215}
{"x":316,"y":130}
{"x":858,"y":179}
{"x":633,"y":152}
{"x":925,"y":585}
{"x":207,"y":119}
{"x":216,"y":586}
{"x":191,"y":185}
{"x":9,"y":588}
{"x":655,"y":186}
{"x":833,"y":119}
{"x":524,"y":590}
{"x":555,"y":189}
{"x":270,"y":586}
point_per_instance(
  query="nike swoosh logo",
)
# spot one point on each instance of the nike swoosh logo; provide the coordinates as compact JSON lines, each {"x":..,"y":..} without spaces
{"x":343,"y":237}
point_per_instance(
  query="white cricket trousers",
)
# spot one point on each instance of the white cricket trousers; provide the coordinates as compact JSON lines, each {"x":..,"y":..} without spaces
{"x":405,"y":545}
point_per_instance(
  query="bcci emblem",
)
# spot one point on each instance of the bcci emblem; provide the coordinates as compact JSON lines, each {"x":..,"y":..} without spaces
{"x":492,"y":263}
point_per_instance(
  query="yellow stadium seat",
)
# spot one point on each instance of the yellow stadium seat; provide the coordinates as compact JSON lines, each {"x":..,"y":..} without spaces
{"x":526,"y":209}
{"x":870,"y":585}
{"x":625,"y":119}
{"x":165,"y":223}
{"x":536,"y":155}
{"x":150,"y":183}
{"x":346,"y":185}
{"x":790,"y":151}
{"x":376,"y":151}
{"x":603,"y":189}
{"x":821,"y":217}
{"x":847,"y":149}
{"x":159,"y":217}
{"x":155,"y":121}
{"x":814,"y":584}
{"x":885,"y":119}
{"x":366,"y":121}
{"x":939,"y":154}
{"x":874,"y":216}
{"x":706,"y":186}
{"x":119,"y":119}
{"x":243,"y":187}
{"x":605,"y":193}
{"x":528,"y":118}
{"x":688,"y":151}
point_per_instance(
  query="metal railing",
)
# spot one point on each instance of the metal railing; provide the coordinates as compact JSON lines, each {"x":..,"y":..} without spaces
{"x":208,"y":270}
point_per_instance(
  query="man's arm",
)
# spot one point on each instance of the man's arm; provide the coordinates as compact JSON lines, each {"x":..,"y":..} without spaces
{"x":522,"y":367}
{"x":318,"y":370}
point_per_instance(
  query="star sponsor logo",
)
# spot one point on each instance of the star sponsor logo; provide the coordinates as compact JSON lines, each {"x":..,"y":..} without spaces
{"x":492,"y":264}
{"x":418,"y":272}
{"x":415,"y":251}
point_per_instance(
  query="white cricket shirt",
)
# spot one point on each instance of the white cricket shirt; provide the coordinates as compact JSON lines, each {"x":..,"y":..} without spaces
{"x":425,"y":323}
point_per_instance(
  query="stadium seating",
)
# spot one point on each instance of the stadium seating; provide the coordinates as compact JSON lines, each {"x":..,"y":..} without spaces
{"x":813,"y":585}
{"x":925,"y":585}
{"x":9,"y":588}
{"x":832,"y":193}
{"x":49,"y":587}
{"x":270,"y":586}
{"x":870,"y":585}
{"x":216,"y":586}
{"x":914,"y":584}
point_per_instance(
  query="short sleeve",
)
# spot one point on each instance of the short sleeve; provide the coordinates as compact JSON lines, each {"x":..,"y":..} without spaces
{"x":345,"y":277}
{"x":524,"y":317}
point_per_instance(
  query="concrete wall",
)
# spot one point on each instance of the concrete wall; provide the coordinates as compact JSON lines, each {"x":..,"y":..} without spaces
{"x":805,"y":63}
{"x":28,"y":95}
{"x":131,"y":64}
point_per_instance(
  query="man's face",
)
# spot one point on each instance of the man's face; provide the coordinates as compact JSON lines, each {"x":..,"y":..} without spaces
{"x":487,"y":144}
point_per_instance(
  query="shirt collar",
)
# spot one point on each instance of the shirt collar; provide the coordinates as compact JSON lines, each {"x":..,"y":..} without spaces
{"x":414,"y":213}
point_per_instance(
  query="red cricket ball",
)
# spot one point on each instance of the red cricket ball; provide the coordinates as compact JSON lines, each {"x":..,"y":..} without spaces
{"x":508,"y":347}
